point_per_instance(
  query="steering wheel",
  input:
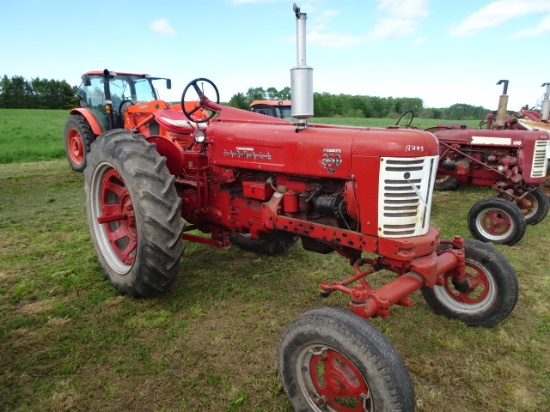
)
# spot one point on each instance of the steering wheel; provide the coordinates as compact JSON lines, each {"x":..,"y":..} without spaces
{"x":204,"y":112}
{"x":403,"y":115}
{"x":123,"y":103}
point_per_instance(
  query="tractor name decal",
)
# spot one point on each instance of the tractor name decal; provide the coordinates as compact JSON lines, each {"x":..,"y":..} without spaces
{"x":501,"y":141}
{"x":331,"y":158}
{"x":247,"y":153}
{"x":414,"y":148}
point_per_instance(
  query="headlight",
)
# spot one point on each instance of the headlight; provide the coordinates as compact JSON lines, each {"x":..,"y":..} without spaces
{"x":200,"y":136}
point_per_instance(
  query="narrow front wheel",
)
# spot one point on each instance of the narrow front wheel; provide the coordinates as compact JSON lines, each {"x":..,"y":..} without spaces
{"x":486,"y":296}
{"x":330,"y":359}
{"x":497,"y":221}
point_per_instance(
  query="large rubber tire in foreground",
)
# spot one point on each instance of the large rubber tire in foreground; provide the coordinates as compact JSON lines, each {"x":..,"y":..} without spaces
{"x":78,"y":137}
{"x":488,"y":297}
{"x":133,"y":214}
{"x":497,"y":221}
{"x":330,"y":359}
{"x":534,"y":206}
{"x":268,"y":244}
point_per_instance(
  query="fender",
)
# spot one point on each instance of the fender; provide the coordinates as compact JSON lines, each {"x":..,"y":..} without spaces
{"x":96,"y":126}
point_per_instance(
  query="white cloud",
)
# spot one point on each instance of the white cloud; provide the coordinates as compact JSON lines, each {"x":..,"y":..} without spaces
{"x":400,"y":18}
{"x":239,"y":2}
{"x":411,"y":9}
{"x":497,"y":13}
{"x":162,"y":27}
{"x":419,"y":40}
{"x":543,"y":27}
{"x":332,"y":39}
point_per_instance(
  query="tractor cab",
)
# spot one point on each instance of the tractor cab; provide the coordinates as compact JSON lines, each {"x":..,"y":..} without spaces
{"x":107,"y":94}
{"x":281,"y":109}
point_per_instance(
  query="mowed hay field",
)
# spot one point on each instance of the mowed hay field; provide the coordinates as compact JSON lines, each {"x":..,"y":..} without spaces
{"x":70,"y":342}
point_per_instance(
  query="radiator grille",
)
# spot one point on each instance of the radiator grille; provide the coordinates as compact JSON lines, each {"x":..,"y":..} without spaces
{"x":405,"y":195}
{"x":540,"y":161}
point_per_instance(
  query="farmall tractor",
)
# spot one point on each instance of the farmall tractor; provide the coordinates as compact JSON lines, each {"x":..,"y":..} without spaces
{"x":513,"y":162}
{"x":108,"y":101}
{"x":264,"y":183}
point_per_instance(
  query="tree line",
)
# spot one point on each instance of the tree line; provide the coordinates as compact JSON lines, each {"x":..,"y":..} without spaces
{"x":18,"y":93}
{"x":345,"y":105}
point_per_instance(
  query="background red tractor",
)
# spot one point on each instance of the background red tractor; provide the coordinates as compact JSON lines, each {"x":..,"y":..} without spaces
{"x":105,"y":97}
{"x":264,"y":183}
{"x":512,"y":161}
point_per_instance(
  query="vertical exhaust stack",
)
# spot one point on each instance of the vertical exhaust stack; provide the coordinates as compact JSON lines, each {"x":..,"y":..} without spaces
{"x":301,"y":76}
{"x":545,"y":107}
{"x":502,"y":104}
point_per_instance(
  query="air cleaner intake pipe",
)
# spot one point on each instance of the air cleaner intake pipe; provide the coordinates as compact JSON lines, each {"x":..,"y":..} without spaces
{"x":545,"y":107}
{"x":502,"y":104}
{"x":301,"y":76}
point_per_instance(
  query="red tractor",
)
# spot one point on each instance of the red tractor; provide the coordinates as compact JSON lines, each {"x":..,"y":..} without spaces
{"x":513,"y":162}
{"x":263,"y":184}
{"x":105,"y":97}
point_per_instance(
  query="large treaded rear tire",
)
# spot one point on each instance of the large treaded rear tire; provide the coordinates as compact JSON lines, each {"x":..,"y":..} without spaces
{"x":78,"y":137}
{"x":330,"y":359}
{"x":271,"y":244}
{"x":133,"y":214}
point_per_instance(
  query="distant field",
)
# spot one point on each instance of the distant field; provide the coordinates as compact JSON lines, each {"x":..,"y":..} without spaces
{"x":31,"y":135}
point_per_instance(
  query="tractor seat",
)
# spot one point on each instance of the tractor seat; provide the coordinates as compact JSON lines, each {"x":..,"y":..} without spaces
{"x":175,"y":121}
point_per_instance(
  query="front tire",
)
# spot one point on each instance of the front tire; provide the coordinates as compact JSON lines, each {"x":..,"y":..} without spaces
{"x":488,"y":297}
{"x":497,"y":221}
{"x":330,"y":359}
{"x":534,"y":206}
{"x":133,"y":214}
{"x":78,"y":138}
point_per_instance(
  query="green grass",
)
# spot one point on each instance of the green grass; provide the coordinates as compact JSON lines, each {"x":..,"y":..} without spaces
{"x":70,"y":342}
{"x":28,"y":135}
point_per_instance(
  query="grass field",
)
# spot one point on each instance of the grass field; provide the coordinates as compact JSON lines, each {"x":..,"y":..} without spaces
{"x":32,"y":135}
{"x":70,"y":342}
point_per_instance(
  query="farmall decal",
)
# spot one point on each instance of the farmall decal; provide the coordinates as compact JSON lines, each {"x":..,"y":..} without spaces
{"x":247,"y":153}
{"x":331,"y":158}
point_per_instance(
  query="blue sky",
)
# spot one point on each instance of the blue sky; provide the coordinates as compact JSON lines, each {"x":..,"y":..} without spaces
{"x":443,"y":51}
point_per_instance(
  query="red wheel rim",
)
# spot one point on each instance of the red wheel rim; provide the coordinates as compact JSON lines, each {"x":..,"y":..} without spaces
{"x":528,"y":205}
{"x":495,"y":222}
{"x":478,"y":286}
{"x":338,"y":383}
{"x":117,"y":217}
{"x":75,"y":146}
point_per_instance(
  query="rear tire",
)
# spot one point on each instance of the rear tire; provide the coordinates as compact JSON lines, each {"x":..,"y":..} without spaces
{"x":493,"y":293}
{"x":497,"y":221}
{"x":534,"y":206}
{"x":78,"y":139}
{"x":446,"y":182}
{"x":330,"y":359}
{"x":271,"y":244}
{"x":133,"y":214}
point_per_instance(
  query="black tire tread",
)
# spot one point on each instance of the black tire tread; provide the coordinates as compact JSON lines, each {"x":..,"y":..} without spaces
{"x":389,"y":379}
{"x":506,"y":282}
{"x":518,"y":220}
{"x":160,"y":245}
{"x":81,"y":124}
